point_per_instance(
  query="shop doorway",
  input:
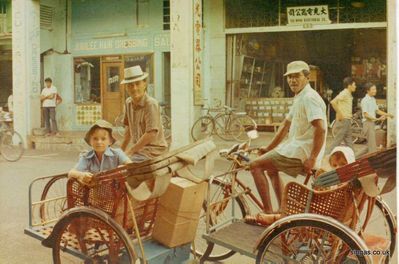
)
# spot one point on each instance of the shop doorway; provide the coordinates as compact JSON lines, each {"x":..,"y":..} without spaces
{"x":112,"y":91}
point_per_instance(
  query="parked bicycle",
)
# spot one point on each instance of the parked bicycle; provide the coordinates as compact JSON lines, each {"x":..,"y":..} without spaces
{"x":119,"y":127}
{"x":11,"y":144}
{"x":226,"y":123}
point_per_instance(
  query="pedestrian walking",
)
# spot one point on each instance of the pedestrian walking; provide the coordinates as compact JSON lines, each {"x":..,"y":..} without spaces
{"x":369,"y":111}
{"x":306,"y":126}
{"x":48,"y":98}
{"x":342,"y":105}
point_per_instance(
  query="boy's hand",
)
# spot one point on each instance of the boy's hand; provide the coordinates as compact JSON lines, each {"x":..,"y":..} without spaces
{"x":262,"y":150}
{"x":85,"y":178}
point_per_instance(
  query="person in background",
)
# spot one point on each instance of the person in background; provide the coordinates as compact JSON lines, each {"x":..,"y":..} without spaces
{"x":48,"y":98}
{"x":342,"y":105}
{"x":369,"y":111}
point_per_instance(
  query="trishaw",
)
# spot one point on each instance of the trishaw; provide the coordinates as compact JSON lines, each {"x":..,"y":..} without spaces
{"x":326,"y":222}
{"x":111,"y":221}
{"x":322,"y":223}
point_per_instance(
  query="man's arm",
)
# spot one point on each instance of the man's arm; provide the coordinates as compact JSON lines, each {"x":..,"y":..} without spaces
{"x":279,"y":137}
{"x":369,"y":117}
{"x":145,"y":139}
{"x":334,"y":104}
{"x":126,"y":139}
{"x":382,"y":113}
{"x":44,"y":97}
{"x":318,"y":141}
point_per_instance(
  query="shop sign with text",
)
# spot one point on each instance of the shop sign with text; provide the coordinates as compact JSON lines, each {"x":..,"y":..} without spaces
{"x":303,"y":15}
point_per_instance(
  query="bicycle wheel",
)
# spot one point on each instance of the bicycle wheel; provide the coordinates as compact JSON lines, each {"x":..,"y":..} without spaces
{"x":92,"y":236}
{"x":310,"y":238}
{"x":166,"y":124}
{"x":220,"y":213}
{"x":356,"y":128}
{"x":119,"y":126}
{"x":53,"y":198}
{"x":240,"y":125}
{"x":224,"y":125}
{"x":11,"y":145}
{"x":382,"y":224}
{"x":202,"y":128}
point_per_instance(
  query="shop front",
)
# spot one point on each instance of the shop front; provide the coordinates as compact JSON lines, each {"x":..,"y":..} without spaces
{"x":99,"y":46}
{"x":337,"y":38}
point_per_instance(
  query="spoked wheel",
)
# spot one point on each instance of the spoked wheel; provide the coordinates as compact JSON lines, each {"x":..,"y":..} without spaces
{"x":224,"y":126}
{"x":240,"y":125}
{"x":11,"y":145}
{"x":119,"y":126}
{"x":166,"y":124}
{"x":53,"y":198}
{"x":202,"y":128}
{"x":92,"y":236}
{"x":381,"y":225}
{"x":219,"y":213}
{"x":309,"y":238}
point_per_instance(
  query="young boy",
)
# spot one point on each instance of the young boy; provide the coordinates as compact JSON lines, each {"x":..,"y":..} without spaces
{"x":102,"y":157}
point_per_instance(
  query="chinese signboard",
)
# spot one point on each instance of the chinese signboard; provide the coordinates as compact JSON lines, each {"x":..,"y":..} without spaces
{"x":301,"y":15}
{"x":197,"y":52}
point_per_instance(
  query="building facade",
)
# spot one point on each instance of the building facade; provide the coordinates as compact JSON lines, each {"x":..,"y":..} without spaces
{"x":195,"y":51}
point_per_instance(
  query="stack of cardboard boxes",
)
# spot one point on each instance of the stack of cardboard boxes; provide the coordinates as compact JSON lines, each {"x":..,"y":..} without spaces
{"x":178,"y":212}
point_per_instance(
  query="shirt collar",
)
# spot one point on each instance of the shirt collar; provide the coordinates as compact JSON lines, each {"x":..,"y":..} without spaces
{"x":107,"y":152}
{"x":141,"y":102}
{"x":304,"y":90}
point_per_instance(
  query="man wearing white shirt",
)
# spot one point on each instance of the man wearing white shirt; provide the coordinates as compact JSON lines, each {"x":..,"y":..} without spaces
{"x":48,"y":98}
{"x":306,"y":126}
{"x":369,"y":111}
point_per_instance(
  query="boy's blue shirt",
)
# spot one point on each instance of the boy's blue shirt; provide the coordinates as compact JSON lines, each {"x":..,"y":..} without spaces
{"x":112,"y":158}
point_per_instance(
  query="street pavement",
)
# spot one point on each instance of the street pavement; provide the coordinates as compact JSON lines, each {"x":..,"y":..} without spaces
{"x":15,"y":178}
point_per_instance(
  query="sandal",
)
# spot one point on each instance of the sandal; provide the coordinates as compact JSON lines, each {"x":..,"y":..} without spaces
{"x":251,"y":219}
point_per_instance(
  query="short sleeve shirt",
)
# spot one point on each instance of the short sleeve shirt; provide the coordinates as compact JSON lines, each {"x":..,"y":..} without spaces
{"x":145,"y":117}
{"x":47,"y":91}
{"x":112,"y":158}
{"x":307,"y":106}
{"x":345,"y":101}
{"x":369,"y":105}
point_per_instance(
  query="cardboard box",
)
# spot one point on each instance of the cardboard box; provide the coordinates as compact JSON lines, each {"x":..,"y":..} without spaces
{"x":178,"y":212}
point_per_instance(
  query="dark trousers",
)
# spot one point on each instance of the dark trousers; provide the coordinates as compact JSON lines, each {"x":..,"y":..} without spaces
{"x":49,"y":114}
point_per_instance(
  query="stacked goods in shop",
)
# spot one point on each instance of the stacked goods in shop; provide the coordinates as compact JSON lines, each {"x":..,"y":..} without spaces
{"x":266,"y":111}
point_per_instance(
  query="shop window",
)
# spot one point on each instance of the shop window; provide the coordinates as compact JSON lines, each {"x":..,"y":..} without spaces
{"x":87,"y":80}
{"x":166,"y":14}
{"x":147,"y":65}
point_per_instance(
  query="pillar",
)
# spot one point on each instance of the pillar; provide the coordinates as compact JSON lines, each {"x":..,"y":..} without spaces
{"x":392,"y":71}
{"x":26,"y":65}
{"x":182,"y":81}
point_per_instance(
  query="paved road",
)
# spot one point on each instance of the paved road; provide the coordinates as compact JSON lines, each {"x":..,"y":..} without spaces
{"x":14,"y":181}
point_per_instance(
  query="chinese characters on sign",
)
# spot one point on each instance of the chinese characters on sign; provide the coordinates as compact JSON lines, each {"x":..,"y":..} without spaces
{"x":302,"y":15}
{"x":197,"y":52}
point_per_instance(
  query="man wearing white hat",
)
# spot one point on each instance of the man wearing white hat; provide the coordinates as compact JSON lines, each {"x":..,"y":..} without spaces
{"x":142,"y":119}
{"x":306,"y":126}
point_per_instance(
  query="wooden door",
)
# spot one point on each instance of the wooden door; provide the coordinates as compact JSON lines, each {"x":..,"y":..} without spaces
{"x":111,"y":90}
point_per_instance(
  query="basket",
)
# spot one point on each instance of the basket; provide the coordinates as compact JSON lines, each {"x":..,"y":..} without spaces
{"x":335,"y":202}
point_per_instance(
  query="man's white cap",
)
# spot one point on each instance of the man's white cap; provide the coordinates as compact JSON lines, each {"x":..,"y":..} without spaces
{"x":296,"y":67}
{"x":134,"y":74}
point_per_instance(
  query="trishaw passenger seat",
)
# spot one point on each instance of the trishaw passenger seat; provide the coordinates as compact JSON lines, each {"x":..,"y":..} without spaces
{"x":333,"y":202}
{"x":109,"y":195}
